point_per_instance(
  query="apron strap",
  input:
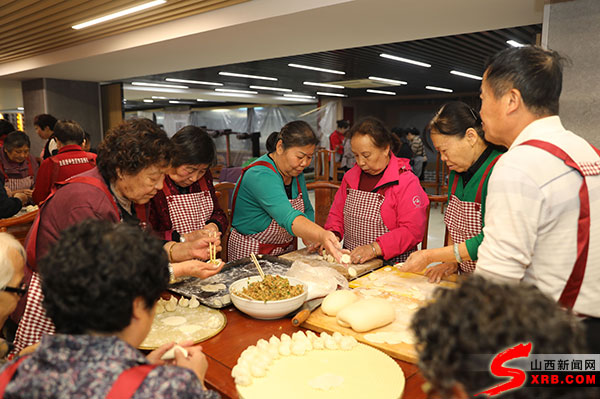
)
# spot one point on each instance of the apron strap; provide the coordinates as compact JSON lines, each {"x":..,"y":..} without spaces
{"x":8,"y":374}
{"x":571,"y":291}
{"x":30,"y":167}
{"x":129,"y":381}
{"x":454,"y":183}
{"x":484,"y":178}
{"x":3,"y":172}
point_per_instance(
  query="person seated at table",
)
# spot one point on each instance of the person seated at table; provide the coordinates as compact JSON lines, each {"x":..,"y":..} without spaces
{"x":187,"y":201}
{"x":380,"y":207}
{"x":497,"y":317}
{"x":131,"y":165}
{"x":70,"y":160}
{"x":10,"y":205}
{"x":456,"y":132}
{"x":17,"y":165}
{"x":270,"y":200}
{"x":102,"y":298}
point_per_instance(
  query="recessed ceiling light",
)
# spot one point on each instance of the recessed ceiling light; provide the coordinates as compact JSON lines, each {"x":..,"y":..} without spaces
{"x":174,"y":102}
{"x":390,"y":81}
{"x":243,"y":75}
{"x":159,"y":98}
{"x":325,"y":93}
{"x":159,"y":85}
{"x":402,"y":59}
{"x":439,"y":89}
{"x":196,"y":82}
{"x":514,"y":43}
{"x":298,"y":96}
{"x":20,"y":109}
{"x":466,"y":75}
{"x":148,"y":100}
{"x":119,"y":14}
{"x":316,"y":69}
{"x":324,"y":85}
{"x":200,"y":99}
{"x":387,"y":93}
{"x":270,"y":88}
{"x":236,"y":91}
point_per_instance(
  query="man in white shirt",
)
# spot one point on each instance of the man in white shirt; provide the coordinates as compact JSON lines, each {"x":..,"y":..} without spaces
{"x":542,"y":220}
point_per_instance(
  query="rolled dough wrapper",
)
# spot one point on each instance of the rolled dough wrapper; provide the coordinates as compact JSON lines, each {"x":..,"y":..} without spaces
{"x":338,"y":300}
{"x":367,"y":314}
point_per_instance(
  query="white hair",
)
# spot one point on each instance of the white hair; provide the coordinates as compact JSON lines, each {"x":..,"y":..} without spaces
{"x":7,"y":269}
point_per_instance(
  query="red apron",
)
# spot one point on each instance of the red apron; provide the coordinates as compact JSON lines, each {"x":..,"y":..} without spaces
{"x":571,"y":291}
{"x":24,"y":183}
{"x":463,"y":218}
{"x":274,"y":240}
{"x":189,"y":212}
{"x":124,"y":387}
{"x":363,"y":223}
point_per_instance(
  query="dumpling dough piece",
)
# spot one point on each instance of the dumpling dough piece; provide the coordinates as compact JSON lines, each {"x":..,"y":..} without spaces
{"x":213,"y":287}
{"x":338,"y":300}
{"x":170,"y":354}
{"x":346,"y":258}
{"x":352,"y":272}
{"x":367,"y":314}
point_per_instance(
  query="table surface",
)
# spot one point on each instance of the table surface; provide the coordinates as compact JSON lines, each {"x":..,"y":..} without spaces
{"x":223,"y":350}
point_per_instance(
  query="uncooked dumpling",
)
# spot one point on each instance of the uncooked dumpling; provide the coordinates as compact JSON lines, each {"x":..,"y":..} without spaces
{"x":170,"y":354}
{"x":337,"y":300}
{"x":194,"y":303}
{"x":366,"y":314}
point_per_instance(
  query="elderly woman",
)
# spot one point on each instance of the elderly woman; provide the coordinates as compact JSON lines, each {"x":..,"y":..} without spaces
{"x":270,"y":201}
{"x":131,"y":164}
{"x":187,"y":201}
{"x":17,"y":165}
{"x":456,"y":132}
{"x":380,"y":207}
{"x":103,"y":312}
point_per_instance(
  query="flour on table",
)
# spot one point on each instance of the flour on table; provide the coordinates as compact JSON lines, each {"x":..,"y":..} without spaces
{"x":213,"y":287}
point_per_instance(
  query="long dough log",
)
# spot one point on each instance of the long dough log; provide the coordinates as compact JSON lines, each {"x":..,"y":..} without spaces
{"x":366,"y":314}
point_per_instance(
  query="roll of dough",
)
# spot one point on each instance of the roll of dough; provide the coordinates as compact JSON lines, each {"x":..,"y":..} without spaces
{"x":337,"y":300}
{"x":366,"y":314}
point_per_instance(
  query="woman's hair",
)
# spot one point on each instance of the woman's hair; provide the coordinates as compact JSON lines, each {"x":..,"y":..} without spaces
{"x":343,"y":124}
{"x":133,"y":145}
{"x":6,"y":127}
{"x":297,"y":134}
{"x":16,"y":140}
{"x":271,"y":143}
{"x":108,"y":266}
{"x":454,"y":118}
{"x":68,"y":132}
{"x":45,"y":120}
{"x":378,"y":132}
{"x":193,"y":146}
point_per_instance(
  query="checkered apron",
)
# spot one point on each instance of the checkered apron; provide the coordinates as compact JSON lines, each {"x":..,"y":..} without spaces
{"x":274,"y":240}
{"x":363,"y":223}
{"x":24,"y":183}
{"x":188,"y":212}
{"x":463,"y":218}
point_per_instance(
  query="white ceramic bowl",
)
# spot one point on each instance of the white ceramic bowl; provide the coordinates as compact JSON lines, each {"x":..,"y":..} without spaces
{"x":269,"y":310}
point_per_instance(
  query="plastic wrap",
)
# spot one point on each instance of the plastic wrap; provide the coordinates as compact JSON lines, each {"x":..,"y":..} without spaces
{"x":320,"y":280}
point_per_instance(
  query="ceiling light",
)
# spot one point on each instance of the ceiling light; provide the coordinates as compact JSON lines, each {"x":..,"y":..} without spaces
{"x":270,"y":88}
{"x":514,"y":43}
{"x":159,"y":98}
{"x":236,"y":91}
{"x":159,"y":85}
{"x":20,"y":109}
{"x":220,"y":110}
{"x":147,"y":100}
{"x":439,"y":89}
{"x":196,"y":82}
{"x":174,"y":102}
{"x":324,"y":85}
{"x":385,"y":80}
{"x":302,"y":100}
{"x":466,"y":75}
{"x":325,"y":93}
{"x":200,"y":99}
{"x":401,"y":59}
{"x":298,"y":96}
{"x":316,"y":69}
{"x":119,"y":14}
{"x":387,"y":93}
{"x":242,"y":75}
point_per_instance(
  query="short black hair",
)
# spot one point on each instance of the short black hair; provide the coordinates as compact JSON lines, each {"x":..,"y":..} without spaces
{"x":96,"y":269}
{"x":343,"y":124}
{"x":68,"y":131}
{"x":297,"y":134}
{"x":193,"y":146}
{"x":6,"y":127}
{"x":534,"y":71}
{"x":271,"y":142}
{"x":16,"y":140}
{"x":45,"y":120}
{"x":377,"y":131}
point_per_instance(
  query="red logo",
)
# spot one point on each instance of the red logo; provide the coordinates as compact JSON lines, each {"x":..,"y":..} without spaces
{"x":517,"y":376}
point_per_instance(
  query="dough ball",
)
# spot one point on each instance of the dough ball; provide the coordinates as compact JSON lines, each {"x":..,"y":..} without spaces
{"x":337,"y":300}
{"x":347,"y":343}
{"x":352,"y":272}
{"x":367,"y":314}
{"x":262,"y":344}
{"x":298,"y":348}
{"x":285,"y":338}
{"x":318,"y":344}
{"x":337,"y":336}
{"x":285,"y":348}
{"x":170,"y":354}
{"x":239,"y":371}
{"x":274,"y":340}
{"x":311,"y":336}
{"x":298,"y":335}
{"x":258,"y":371}
{"x":330,"y":343}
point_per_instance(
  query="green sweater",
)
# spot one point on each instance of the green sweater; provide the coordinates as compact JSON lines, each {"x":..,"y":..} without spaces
{"x":262,"y":198}
{"x":469,"y":192}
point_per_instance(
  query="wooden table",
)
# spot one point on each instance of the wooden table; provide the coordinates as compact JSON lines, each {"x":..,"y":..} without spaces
{"x":223,"y":350}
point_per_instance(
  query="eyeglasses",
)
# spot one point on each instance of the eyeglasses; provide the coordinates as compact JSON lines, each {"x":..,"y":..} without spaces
{"x":22,"y":290}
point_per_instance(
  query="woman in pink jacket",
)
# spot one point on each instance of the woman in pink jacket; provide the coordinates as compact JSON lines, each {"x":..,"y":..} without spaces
{"x":380,"y":208}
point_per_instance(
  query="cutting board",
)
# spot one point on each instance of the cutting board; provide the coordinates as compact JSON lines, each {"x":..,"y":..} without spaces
{"x":315,"y":259}
{"x":406,"y":292}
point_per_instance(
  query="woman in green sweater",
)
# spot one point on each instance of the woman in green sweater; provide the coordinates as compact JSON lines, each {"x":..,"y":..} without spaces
{"x":457,"y":133}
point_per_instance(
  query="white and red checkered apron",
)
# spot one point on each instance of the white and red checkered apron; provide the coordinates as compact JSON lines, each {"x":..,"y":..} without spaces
{"x":24,"y":183}
{"x":274,"y":240}
{"x":463,"y":218}
{"x":189,"y":212}
{"x":363,"y":223}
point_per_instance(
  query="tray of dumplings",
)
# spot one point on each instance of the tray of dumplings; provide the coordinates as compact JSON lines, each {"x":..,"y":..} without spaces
{"x":214,"y":291}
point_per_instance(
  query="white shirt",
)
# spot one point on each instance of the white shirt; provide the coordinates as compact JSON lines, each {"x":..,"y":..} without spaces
{"x":532,"y":209}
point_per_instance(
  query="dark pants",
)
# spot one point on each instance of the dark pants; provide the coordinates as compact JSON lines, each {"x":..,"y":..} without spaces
{"x":592,"y":334}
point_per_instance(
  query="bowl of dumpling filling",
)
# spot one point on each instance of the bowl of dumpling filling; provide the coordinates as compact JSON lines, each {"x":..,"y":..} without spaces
{"x":268,"y":299}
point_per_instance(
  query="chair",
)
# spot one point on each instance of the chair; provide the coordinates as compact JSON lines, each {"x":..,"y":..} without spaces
{"x":435,"y":199}
{"x":324,"y":195}
{"x":18,"y":226}
{"x":224,"y":193}
{"x":324,"y":167}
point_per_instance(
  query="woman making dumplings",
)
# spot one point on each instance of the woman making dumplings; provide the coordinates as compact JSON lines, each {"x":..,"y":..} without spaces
{"x":17,"y":164}
{"x":270,"y":201}
{"x":456,"y":132}
{"x":380,"y":208}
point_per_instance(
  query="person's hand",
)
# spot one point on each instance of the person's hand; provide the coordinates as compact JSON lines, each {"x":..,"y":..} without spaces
{"x":311,"y":246}
{"x":154,"y":357}
{"x":28,"y":192}
{"x":194,"y":249}
{"x":29,"y":350}
{"x":22,"y":197}
{"x":438,"y":272}
{"x":196,"y":268}
{"x":416,"y":262}
{"x":209,"y":230}
{"x":195,"y":361}
{"x":362,"y":254}
{"x":331,"y":244}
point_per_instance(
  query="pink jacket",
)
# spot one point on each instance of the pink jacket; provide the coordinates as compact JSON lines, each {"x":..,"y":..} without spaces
{"x":403,"y":211}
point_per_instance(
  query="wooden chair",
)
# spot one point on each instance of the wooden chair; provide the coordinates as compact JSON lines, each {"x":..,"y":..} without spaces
{"x":324,"y":170}
{"x":324,"y":194}
{"x":224,"y":193}
{"x":434,"y":199}
{"x":18,"y":226}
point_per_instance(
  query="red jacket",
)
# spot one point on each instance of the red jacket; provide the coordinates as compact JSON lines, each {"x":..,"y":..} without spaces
{"x":336,"y":142}
{"x":71,"y":160}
